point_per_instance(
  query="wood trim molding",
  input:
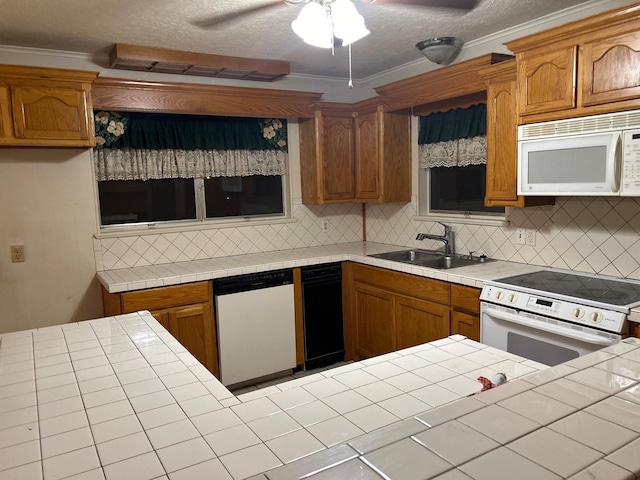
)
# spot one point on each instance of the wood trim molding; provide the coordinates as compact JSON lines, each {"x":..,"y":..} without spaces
{"x":169,"y":97}
{"x":456,"y":80}
{"x":582,"y":27}
{"x":162,"y":60}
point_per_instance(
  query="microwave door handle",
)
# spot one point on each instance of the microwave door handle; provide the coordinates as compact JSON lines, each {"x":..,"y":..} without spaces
{"x":576,"y":335}
{"x":614,"y":165}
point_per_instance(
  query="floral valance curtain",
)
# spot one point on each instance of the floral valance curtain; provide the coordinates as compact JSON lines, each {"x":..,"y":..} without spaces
{"x":151,"y":146}
{"x":455,"y":138}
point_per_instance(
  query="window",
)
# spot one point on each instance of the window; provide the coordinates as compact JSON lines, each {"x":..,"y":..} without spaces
{"x":185,"y":169}
{"x":452,"y":165}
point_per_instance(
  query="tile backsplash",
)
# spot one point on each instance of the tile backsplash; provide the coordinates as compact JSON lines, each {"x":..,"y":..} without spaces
{"x":587,"y":234}
{"x":153,"y":248}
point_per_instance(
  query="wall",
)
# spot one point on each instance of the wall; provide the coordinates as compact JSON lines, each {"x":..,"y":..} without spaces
{"x":47,"y":205}
{"x":588,"y":234}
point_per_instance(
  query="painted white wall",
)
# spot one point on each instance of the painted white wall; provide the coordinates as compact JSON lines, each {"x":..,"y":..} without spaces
{"x":46,"y":204}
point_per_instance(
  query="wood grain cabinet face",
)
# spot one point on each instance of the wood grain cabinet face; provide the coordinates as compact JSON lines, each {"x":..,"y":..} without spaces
{"x":465,"y":324}
{"x":367,"y":157}
{"x":502,"y":171}
{"x":465,"y":315}
{"x":45,"y":107}
{"x":418,"y":321}
{"x":54,"y":113}
{"x":547,"y":80}
{"x":610,"y":69}
{"x":337,"y":159}
{"x":375,"y":327}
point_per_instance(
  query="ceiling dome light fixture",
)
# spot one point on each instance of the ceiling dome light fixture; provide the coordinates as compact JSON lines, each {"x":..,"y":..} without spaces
{"x":440,"y":50}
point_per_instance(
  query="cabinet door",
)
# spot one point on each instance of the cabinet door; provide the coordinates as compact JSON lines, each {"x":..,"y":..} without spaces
{"x":547,"y":81}
{"x":337,"y":159}
{"x":162,"y":316}
{"x":367,"y":157}
{"x":610,"y":69}
{"x":465,"y":324}
{"x":6,"y":127}
{"x":375,"y":331}
{"x":634,"y":329}
{"x":50,"y":113}
{"x":502,"y":158}
{"x":419,"y":322}
{"x":193,"y":328}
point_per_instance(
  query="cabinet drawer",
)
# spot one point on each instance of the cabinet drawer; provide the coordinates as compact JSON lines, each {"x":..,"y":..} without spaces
{"x":403,"y":283}
{"x":165,"y":297}
{"x":465,"y":298}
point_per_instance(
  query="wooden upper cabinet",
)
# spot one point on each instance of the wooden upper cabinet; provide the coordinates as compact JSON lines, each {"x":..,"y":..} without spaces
{"x":367,"y":136}
{"x":586,"y":67}
{"x":50,"y":113}
{"x":361,"y":157}
{"x":502,"y":144}
{"x":610,"y":69}
{"x":43,"y":107}
{"x":547,"y":80}
{"x":337,"y":159}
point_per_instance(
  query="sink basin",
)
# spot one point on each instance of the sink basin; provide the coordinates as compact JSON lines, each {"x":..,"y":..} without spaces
{"x":430,"y":259}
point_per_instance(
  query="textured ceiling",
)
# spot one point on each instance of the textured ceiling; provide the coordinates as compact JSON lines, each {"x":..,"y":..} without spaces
{"x":93,"y":27}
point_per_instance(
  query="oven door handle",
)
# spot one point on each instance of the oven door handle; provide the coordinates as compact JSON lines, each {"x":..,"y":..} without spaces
{"x":576,"y":335}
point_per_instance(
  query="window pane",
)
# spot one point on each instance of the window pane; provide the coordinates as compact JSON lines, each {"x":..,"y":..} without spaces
{"x":243,"y":196}
{"x":459,"y":189}
{"x":132,"y":201}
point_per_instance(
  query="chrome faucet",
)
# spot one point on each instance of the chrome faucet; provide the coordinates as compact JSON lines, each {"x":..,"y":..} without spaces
{"x":447,"y":238}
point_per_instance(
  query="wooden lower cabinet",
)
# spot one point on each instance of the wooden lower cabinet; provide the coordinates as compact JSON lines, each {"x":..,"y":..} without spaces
{"x":418,"y":321}
{"x":186,"y":311}
{"x":375,"y":329}
{"x":634,"y":329}
{"x":190,"y":325}
{"x":465,"y":315}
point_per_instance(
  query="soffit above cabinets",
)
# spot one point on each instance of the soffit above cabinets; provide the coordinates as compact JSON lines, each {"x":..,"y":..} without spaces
{"x":161,"y":60}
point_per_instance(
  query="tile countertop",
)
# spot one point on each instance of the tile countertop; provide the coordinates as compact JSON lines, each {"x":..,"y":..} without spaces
{"x":120,"y":398}
{"x":137,"y":278}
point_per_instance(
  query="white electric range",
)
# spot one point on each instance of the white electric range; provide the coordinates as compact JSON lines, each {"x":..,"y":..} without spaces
{"x":554,"y":316}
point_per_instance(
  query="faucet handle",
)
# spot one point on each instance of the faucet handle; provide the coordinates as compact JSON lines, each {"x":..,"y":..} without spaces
{"x":447,"y":228}
{"x":470,"y":257}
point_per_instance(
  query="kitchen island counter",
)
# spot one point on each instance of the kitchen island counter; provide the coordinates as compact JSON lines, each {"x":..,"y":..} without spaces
{"x":120,"y":398}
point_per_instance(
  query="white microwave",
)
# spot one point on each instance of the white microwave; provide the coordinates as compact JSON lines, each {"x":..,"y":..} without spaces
{"x":598,"y":155}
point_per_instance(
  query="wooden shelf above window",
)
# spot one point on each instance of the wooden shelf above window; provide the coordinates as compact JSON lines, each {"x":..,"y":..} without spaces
{"x":160,"y":60}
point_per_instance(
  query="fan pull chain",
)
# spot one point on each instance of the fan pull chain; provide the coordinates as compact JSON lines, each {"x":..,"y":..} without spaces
{"x":350,"y":76}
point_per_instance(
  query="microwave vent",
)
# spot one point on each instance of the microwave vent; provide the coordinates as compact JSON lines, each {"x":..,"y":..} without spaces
{"x":578,"y":126}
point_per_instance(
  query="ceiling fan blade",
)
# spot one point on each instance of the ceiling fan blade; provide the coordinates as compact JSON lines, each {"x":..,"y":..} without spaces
{"x":229,"y":17}
{"x":454,"y":4}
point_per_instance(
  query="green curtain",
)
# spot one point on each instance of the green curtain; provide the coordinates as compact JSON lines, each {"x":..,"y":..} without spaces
{"x":454,"y":124}
{"x":191,"y":132}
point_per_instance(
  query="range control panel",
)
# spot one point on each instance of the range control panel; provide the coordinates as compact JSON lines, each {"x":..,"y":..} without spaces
{"x":562,"y":310}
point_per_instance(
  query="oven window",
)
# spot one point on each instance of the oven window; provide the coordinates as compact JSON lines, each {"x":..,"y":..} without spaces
{"x":539,"y":351}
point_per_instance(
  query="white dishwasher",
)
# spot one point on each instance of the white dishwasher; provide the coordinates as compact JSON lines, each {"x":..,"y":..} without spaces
{"x":255,"y":317}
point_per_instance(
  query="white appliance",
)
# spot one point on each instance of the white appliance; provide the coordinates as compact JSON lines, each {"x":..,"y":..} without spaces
{"x":255,"y":317}
{"x":554,"y":316}
{"x":597,"y":155}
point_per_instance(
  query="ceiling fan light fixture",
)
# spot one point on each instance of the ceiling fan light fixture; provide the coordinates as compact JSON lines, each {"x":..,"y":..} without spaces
{"x":440,"y":50}
{"x":348,"y":24}
{"x":313,"y":25}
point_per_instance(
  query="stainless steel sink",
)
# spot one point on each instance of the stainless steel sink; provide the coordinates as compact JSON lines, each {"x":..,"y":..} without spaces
{"x":430,"y":259}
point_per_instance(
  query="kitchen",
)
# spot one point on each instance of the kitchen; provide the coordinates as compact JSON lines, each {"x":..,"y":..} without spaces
{"x":570,"y":233}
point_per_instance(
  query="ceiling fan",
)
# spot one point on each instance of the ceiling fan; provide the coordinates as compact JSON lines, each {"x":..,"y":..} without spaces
{"x":213,"y":22}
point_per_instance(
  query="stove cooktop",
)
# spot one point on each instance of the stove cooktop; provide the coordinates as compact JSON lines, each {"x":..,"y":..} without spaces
{"x":595,"y":289}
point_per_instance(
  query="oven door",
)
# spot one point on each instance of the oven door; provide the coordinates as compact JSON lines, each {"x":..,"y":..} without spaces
{"x":539,"y":338}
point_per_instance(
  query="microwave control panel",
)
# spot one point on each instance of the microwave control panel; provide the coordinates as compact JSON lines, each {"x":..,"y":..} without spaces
{"x":630,"y":163}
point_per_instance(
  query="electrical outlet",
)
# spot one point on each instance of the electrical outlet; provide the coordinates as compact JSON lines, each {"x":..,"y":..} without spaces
{"x":520,"y":236}
{"x":324,"y":225}
{"x":531,"y":237}
{"x":17,"y":253}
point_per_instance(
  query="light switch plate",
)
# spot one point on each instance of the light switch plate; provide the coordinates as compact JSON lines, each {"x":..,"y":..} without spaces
{"x":520,"y":236}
